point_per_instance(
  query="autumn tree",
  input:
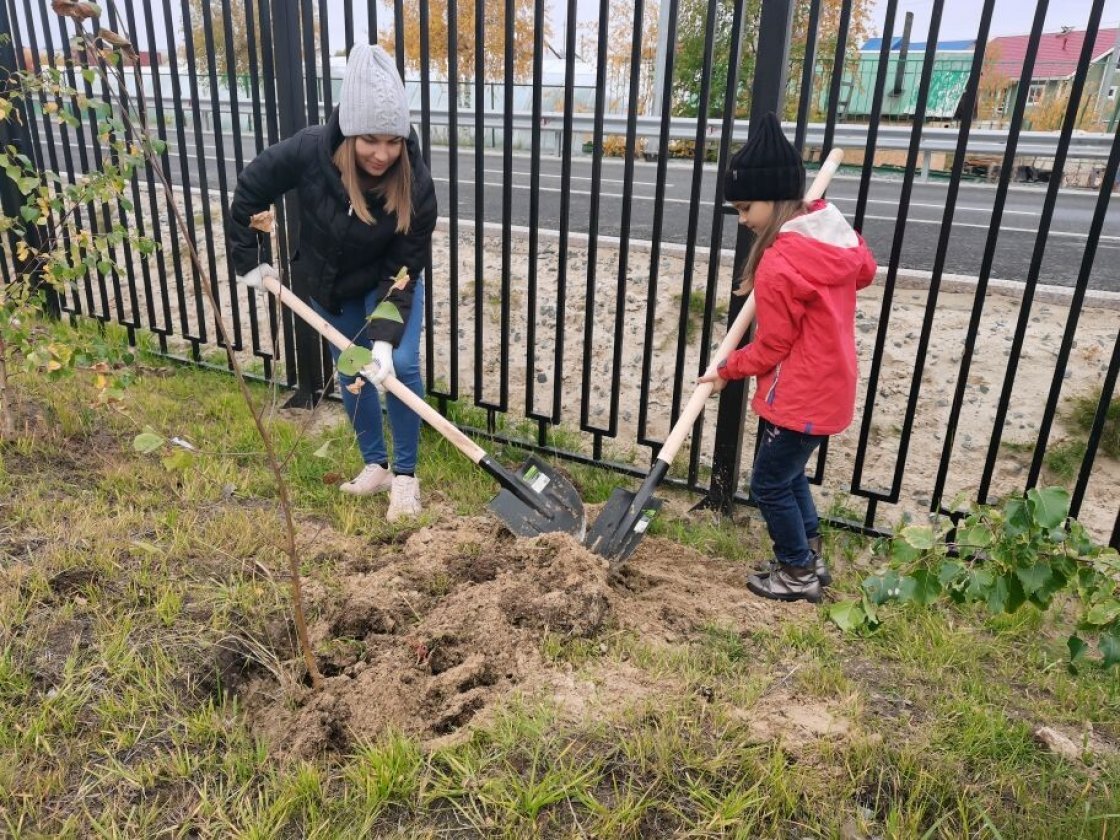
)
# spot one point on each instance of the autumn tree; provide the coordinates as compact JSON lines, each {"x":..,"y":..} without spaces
{"x":494,"y":23}
{"x":692,"y":27}
{"x":620,"y":47}
{"x":218,"y":9}
{"x":991,"y":93}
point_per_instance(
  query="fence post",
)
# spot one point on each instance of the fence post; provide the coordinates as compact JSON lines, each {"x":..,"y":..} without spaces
{"x":767,"y":94}
{"x":291,"y":117}
{"x":16,"y":132}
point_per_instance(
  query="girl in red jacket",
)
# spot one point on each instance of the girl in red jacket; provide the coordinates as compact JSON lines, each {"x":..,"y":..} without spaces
{"x":804,"y":267}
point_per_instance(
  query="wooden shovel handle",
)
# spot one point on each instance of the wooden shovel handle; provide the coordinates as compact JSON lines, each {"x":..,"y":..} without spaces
{"x":736,"y":331}
{"x":430,"y":416}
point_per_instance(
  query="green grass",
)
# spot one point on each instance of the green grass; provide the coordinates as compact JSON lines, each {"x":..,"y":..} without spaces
{"x":130,"y":594}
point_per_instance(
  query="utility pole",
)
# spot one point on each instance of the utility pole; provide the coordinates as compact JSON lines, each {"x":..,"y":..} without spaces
{"x":1107,"y":76}
{"x":659,"y":62}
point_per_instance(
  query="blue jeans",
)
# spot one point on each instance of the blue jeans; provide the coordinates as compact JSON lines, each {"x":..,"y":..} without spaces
{"x":781,"y":490}
{"x":364,"y":408}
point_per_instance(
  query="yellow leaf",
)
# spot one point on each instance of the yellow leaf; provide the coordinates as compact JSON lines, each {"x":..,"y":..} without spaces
{"x":53,"y":365}
{"x":261,"y":221}
{"x":355,"y":387}
{"x":401,"y":279}
{"x":102,"y":381}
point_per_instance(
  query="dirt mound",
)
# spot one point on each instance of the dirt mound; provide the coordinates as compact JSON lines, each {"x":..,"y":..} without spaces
{"x":425,"y":636}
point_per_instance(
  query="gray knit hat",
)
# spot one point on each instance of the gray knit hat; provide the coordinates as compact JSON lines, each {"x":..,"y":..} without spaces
{"x":372,"y":100}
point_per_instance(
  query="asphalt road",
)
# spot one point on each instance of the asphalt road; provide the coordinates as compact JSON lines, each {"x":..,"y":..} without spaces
{"x":1063,"y":247}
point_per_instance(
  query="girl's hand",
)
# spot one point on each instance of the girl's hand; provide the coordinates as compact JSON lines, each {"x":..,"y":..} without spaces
{"x":712,"y":376}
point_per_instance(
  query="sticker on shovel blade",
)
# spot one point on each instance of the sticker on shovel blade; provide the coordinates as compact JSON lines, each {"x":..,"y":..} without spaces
{"x":644,"y":521}
{"x":536,"y":480}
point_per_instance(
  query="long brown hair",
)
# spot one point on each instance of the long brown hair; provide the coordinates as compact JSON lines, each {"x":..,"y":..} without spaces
{"x":394,"y":187}
{"x":784,"y":211}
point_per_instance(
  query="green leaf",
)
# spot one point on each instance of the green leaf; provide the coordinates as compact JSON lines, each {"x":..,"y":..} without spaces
{"x":1034,"y":577}
{"x":998,"y":597}
{"x":882,"y":588}
{"x":1017,"y":517}
{"x":89,"y":74}
{"x":847,"y":615}
{"x":1049,"y":506}
{"x":147,"y":442}
{"x":980,"y":584}
{"x":387,"y":311}
{"x":918,"y":536}
{"x":974,"y":537}
{"x":1103,"y":613}
{"x":323,"y":451}
{"x":1016,"y":597}
{"x":949,"y":573}
{"x":29,"y":213}
{"x":353,"y":359}
{"x":178,"y":461}
{"x":1077,"y":649}
{"x":926,"y":587}
{"x":902,"y":553}
{"x":1110,"y":647}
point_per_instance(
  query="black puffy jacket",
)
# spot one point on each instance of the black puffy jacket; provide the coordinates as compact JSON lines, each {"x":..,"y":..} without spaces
{"x":338,"y":255}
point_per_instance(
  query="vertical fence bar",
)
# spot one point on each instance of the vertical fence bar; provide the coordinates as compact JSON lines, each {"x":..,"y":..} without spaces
{"x":534,"y":220}
{"x":837,"y":75}
{"x":969,"y":99}
{"x":698,"y":155}
{"x":1095,"y":228}
{"x":1092,"y":443}
{"x":1077,"y":88}
{"x":565,"y":208}
{"x":203,"y":176}
{"x":398,"y":33}
{"x":348,"y":24}
{"x":892,"y":271}
{"x":371,"y":18}
{"x":730,"y":98}
{"x":185,"y":184}
{"x":767,"y":91}
{"x":478,"y":97}
{"x":593,"y":222}
{"x":988,"y":259}
{"x":627,"y":202}
{"x":311,"y":83}
{"x":155,"y":64}
{"x":325,"y":58}
{"x":452,"y":391}
{"x":223,"y":186}
{"x":137,"y":197}
{"x":808,"y":73}
{"x":426,"y":153}
{"x":666,"y":110}
{"x":292,"y":116}
{"x":507,"y":188}
{"x":15,"y":131}
{"x":51,"y":297}
{"x":876,"y":114}
{"x":231,"y":76}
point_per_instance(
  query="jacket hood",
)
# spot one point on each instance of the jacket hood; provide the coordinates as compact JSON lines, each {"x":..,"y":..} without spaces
{"x":821,"y":246}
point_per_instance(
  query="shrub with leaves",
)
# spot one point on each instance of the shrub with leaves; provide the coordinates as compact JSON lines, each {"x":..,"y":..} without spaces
{"x":1026,"y":552}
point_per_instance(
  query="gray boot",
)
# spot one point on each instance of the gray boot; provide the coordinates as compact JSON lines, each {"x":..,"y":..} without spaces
{"x":819,"y":566}
{"x":787,"y":583}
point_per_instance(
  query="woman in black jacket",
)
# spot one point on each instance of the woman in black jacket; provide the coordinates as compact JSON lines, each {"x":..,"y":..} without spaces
{"x":367,"y":208}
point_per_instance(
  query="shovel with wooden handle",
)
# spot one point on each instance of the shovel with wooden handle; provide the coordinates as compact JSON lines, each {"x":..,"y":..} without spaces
{"x":534,"y":500}
{"x":626,"y":516}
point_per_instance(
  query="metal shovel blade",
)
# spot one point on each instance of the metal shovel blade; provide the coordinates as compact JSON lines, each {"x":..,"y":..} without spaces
{"x":621,"y":524}
{"x":545,"y":502}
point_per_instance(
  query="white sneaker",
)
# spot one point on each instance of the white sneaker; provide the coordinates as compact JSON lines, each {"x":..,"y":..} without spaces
{"x":404,"y":498}
{"x":373,"y":479}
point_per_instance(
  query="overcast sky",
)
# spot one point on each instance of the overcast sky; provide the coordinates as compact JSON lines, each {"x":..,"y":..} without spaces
{"x":960,"y":18}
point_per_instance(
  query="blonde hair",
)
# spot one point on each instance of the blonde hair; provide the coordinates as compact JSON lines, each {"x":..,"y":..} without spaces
{"x":784,"y":211}
{"x":394,"y":188}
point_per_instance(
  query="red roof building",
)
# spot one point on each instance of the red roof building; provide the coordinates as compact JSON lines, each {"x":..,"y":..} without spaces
{"x":1058,"y":53}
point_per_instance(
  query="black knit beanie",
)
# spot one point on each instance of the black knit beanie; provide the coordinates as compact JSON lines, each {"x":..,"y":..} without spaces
{"x":767,"y":168}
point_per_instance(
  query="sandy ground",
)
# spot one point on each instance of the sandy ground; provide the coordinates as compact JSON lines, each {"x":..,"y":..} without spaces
{"x":589,"y":364}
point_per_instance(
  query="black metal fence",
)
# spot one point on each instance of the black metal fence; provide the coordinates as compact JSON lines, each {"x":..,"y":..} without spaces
{"x":584,"y":344}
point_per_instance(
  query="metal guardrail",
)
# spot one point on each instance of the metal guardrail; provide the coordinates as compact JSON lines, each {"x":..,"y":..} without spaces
{"x":1084,"y":145}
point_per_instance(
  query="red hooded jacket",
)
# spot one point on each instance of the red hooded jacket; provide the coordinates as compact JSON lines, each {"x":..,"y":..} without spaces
{"x":804,"y":349}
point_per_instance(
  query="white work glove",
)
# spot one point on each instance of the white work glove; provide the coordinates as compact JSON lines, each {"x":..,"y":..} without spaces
{"x":383,"y":355}
{"x":255,"y":279}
